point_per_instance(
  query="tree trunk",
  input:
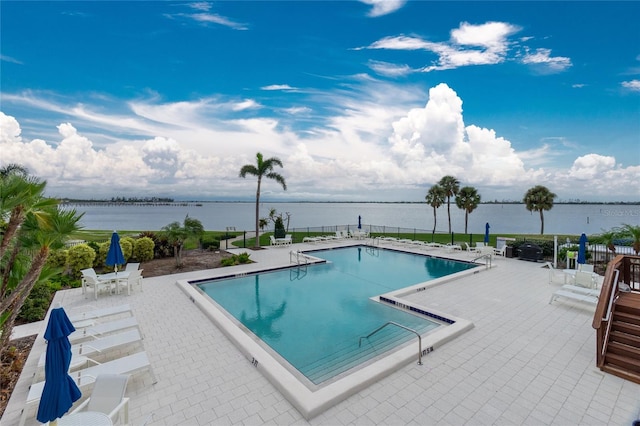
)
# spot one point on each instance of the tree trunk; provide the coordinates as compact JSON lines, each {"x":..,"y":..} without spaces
{"x":435,"y":220}
{"x":20,"y":294}
{"x":16,"y":219}
{"x":541,"y":222}
{"x":257,"y":243}
{"x":449,"y":212}
{"x":466,"y":221}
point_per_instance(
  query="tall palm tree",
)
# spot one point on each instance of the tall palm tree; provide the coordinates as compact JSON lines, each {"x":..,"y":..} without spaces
{"x":435,"y":198}
{"x":262,"y":168}
{"x":539,"y":198}
{"x":467,"y":199}
{"x":451,"y":186}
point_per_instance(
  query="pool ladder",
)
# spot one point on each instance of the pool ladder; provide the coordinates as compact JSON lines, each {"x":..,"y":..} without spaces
{"x":401,"y":326}
{"x":488,"y":258}
{"x":294,"y":257}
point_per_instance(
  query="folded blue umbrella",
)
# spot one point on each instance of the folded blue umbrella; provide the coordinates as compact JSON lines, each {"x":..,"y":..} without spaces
{"x":114,"y":255}
{"x":60,"y":391}
{"x":582,"y":250}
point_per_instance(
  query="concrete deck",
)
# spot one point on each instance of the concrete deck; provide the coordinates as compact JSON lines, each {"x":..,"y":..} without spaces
{"x":524,"y":362}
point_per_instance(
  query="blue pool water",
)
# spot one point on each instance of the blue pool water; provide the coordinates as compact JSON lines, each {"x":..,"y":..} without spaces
{"x":314,"y":316}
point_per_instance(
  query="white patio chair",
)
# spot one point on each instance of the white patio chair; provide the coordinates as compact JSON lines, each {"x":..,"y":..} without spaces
{"x":132,"y":267}
{"x":584,"y":267}
{"x":108,"y":397}
{"x":134,"y":277}
{"x":97,"y":285}
{"x":89,"y":272}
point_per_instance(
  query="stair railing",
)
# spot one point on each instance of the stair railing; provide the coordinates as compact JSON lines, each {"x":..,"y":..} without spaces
{"x":401,"y":326}
{"x":621,"y":269}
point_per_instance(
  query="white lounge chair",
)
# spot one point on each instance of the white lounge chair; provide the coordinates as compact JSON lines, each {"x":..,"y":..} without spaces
{"x":556,"y":276}
{"x":103,"y":329}
{"x":84,"y":378}
{"x":100,"y":313}
{"x":288,"y":240}
{"x":273,"y":241}
{"x":575,"y":292}
{"x":585,"y":279}
{"x":310,"y":239}
{"x":100,"y":346}
{"x":108,"y":397}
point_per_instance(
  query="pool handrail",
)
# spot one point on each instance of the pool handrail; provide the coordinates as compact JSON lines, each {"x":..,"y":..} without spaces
{"x":401,"y":326}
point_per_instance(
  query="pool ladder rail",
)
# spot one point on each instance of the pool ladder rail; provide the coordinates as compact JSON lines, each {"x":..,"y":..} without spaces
{"x":298,"y":258}
{"x":401,"y":326}
{"x":488,"y":257}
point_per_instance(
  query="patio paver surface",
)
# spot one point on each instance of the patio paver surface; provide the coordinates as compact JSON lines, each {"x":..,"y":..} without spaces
{"x":525,"y":361}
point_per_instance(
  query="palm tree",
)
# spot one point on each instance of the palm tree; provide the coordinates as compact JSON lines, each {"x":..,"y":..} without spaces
{"x":178,"y":234}
{"x":262,"y":168}
{"x":451,"y":186}
{"x":38,"y":235}
{"x":539,"y":198}
{"x":435,"y":198}
{"x":632,"y":231}
{"x":467,"y":199}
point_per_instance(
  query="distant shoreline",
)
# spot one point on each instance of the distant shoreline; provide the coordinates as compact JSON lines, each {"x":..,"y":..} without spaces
{"x":200,"y":202}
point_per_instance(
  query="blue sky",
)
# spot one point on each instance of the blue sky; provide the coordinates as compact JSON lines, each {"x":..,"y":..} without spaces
{"x":362,"y":101}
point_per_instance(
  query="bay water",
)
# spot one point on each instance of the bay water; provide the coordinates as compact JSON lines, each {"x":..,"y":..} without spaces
{"x":502,"y":218}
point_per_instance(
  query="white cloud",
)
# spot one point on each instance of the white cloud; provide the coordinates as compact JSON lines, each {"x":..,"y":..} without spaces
{"x":390,"y":70}
{"x":633,"y":85}
{"x":542,"y":59}
{"x":6,"y":58}
{"x":469,"y":45}
{"x":375,"y":145}
{"x":383,"y":7}
{"x":284,"y":87}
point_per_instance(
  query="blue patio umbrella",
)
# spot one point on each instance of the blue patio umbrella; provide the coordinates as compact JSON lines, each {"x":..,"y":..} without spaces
{"x":582,"y":250}
{"x":114,"y":255}
{"x":60,"y":391}
{"x":486,"y":233}
{"x":359,"y":222}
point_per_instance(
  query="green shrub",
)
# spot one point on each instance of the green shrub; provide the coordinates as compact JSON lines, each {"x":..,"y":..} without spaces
{"x":58,"y":259}
{"x":143,"y":249}
{"x":236,"y":259}
{"x":211,"y":243}
{"x":36,"y":305}
{"x":101,"y":255}
{"x":127,"y":244}
{"x":80,"y":257}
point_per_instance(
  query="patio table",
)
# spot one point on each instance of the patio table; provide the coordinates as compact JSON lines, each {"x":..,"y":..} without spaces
{"x":114,"y":277}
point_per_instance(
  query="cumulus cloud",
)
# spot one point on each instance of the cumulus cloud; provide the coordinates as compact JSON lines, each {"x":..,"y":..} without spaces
{"x":633,"y":85}
{"x":376,"y":144}
{"x":383,"y":7}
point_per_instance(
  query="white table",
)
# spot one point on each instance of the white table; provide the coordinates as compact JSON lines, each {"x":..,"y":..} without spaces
{"x":114,"y":277}
{"x":85,"y":418}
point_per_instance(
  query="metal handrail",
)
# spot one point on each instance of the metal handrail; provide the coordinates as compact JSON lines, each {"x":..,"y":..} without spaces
{"x":298,"y":255}
{"x":488,"y":256}
{"x":401,"y":326}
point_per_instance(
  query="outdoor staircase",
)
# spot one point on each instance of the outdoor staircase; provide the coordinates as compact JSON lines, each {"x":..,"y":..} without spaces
{"x":617,"y":320}
{"x":622,"y":353}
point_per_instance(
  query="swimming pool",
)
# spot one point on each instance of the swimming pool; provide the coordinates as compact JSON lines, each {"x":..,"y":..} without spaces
{"x":301,"y":326}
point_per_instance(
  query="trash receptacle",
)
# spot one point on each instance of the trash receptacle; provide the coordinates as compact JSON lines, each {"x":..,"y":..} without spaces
{"x":508,"y":252}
